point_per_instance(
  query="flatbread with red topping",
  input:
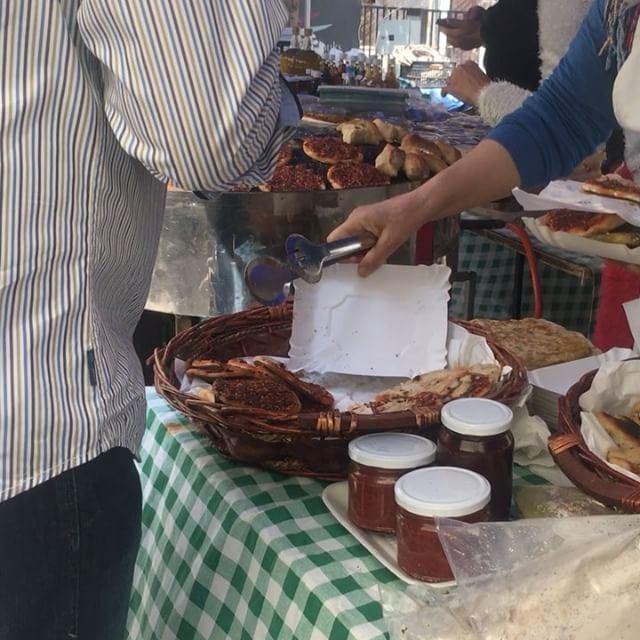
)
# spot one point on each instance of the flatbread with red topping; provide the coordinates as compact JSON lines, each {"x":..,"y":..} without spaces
{"x":331,"y":150}
{"x":581,"y":223}
{"x":287,"y":178}
{"x":613,"y":186}
{"x":351,"y":175}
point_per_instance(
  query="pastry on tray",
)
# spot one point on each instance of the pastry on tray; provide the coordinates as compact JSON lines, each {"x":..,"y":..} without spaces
{"x":288,"y":178}
{"x":390,"y":161}
{"x":351,"y":175}
{"x":331,"y":150}
{"x":360,"y":131}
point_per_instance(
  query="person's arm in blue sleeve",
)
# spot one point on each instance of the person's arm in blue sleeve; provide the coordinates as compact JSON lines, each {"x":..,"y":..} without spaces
{"x":569,"y":116}
{"x":546,"y":138}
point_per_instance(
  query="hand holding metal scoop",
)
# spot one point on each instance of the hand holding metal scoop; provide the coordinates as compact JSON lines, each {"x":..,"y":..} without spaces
{"x":270,"y":280}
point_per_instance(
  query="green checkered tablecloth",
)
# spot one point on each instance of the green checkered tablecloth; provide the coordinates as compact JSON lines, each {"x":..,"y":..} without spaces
{"x":234,"y":552}
{"x":567,"y":301}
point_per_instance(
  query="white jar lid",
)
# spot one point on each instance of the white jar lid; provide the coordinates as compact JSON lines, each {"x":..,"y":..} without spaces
{"x":392,"y":451}
{"x":444,"y":492}
{"x":476,"y":417}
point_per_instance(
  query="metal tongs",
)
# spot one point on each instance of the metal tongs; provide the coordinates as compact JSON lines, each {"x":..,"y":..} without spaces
{"x":270,"y":280}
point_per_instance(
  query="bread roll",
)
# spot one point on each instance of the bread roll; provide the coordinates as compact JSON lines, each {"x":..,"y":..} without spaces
{"x":390,"y":161}
{"x":360,"y":131}
{"x":390,"y":132}
{"x":416,"y":167}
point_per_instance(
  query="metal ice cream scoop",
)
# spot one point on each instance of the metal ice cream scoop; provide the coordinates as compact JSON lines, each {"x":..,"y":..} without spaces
{"x":270,"y":280}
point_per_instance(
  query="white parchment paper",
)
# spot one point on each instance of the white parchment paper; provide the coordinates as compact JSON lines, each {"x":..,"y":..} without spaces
{"x":615,"y":389}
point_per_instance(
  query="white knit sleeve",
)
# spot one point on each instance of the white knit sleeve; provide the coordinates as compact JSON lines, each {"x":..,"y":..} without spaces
{"x":499,"y":99}
{"x":632,"y":152}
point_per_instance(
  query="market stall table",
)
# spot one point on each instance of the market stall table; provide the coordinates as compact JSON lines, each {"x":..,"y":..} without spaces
{"x":230,"y":551}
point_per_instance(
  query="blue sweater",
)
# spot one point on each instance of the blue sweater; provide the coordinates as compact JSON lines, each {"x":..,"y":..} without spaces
{"x":569,"y":116}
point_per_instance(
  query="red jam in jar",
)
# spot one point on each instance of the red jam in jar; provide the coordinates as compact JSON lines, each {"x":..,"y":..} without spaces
{"x":427,"y":494}
{"x":377,"y":461}
{"x":476,"y":435}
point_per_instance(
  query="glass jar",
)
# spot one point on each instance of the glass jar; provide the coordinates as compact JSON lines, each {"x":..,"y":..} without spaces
{"x":377,"y":461}
{"x":426,"y":494}
{"x":476,"y":435}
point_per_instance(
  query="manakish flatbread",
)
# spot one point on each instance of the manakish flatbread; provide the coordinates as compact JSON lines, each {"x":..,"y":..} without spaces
{"x":286,"y":154}
{"x":536,"y":342}
{"x":331,"y":150}
{"x":427,"y":393}
{"x":581,"y":223}
{"x":351,"y":175}
{"x":613,"y":186}
{"x":288,"y":178}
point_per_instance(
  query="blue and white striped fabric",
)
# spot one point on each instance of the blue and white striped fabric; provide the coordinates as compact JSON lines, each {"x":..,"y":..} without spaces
{"x":101,"y":102}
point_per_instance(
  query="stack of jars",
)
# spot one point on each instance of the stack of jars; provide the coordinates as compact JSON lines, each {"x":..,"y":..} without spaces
{"x":402,"y":483}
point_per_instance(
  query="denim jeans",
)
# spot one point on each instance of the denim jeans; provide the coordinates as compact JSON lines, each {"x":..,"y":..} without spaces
{"x":67,"y":553}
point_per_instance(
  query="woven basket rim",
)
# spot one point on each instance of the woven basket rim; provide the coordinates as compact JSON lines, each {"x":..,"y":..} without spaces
{"x":583,"y":467}
{"x":166,"y":381}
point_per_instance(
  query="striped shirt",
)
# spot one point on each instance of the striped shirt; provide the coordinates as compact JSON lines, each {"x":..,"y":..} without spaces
{"x":101,"y":102}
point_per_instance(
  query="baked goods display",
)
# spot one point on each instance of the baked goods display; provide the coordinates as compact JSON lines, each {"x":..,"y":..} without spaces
{"x":387,"y":151}
{"x":536,"y":342}
{"x":613,"y":186}
{"x":353,"y":175}
{"x":428,"y":393}
{"x":625,"y":433}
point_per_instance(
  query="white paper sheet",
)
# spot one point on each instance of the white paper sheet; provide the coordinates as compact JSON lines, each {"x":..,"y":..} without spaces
{"x":586,"y":246}
{"x":559,"y":378}
{"x":615,"y":389}
{"x":568,"y":194}
{"x":391,"y":324}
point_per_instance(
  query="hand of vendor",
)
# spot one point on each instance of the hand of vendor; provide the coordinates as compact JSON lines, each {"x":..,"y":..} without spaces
{"x":486,"y":174}
{"x":466,"y":82}
{"x":464,"y":34}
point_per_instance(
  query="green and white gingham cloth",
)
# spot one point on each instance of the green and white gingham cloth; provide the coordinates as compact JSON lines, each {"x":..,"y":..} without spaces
{"x":230,"y":551}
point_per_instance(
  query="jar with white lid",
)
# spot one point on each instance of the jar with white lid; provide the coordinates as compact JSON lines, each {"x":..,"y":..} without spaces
{"x":421,"y":497}
{"x":476,"y":435}
{"x":377,"y":461}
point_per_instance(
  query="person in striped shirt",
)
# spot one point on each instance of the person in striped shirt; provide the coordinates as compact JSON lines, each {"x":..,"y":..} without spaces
{"x":102,"y":102}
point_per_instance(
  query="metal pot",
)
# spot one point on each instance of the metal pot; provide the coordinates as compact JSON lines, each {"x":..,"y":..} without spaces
{"x":206,"y":244}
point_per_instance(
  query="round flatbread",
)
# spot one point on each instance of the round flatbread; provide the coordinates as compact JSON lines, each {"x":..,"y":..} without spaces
{"x":351,"y":175}
{"x":331,"y":150}
{"x":289,"y":178}
{"x":580,"y":223}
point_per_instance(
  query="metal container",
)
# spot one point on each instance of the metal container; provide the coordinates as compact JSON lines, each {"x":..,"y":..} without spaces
{"x":206,"y":243}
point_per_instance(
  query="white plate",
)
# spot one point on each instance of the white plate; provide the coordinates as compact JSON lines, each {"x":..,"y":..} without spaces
{"x":381,"y":546}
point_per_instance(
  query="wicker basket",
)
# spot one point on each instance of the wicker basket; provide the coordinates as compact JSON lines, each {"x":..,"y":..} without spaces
{"x":313,"y":444}
{"x":588,"y":472}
